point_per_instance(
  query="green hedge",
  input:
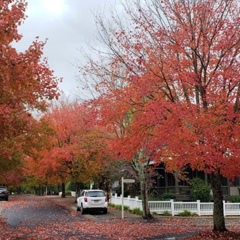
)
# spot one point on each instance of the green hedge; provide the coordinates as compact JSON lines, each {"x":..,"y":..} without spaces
{"x":200,"y":190}
{"x":126,"y":208}
{"x":168,"y":196}
{"x":68,"y":193}
{"x":235,"y":199}
{"x":187,"y":213}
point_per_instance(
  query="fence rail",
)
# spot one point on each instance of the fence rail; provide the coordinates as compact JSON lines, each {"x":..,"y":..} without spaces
{"x":200,"y":208}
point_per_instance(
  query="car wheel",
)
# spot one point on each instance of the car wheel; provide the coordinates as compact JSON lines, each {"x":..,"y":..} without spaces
{"x":83,"y":210}
{"x":6,"y":198}
{"x":104,"y":210}
{"x":78,"y":209}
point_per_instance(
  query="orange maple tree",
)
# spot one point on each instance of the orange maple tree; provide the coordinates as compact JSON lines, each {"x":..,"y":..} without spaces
{"x":26,"y":83}
{"x":70,"y":146}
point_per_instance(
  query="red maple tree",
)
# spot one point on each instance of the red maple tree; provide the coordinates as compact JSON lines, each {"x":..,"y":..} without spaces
{"x":181,"y":90}
{"x":26,"y":84}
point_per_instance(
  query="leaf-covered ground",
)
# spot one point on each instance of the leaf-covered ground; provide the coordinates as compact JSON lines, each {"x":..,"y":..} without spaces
{"x":31,"y":217}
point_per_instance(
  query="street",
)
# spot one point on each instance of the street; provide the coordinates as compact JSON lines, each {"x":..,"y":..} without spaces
{"x":30,"y":217}
{"x":53,"y":217}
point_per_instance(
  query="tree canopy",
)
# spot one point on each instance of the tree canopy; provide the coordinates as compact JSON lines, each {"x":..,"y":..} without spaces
{"x":178,"y":65}
{"x":26,"y":84}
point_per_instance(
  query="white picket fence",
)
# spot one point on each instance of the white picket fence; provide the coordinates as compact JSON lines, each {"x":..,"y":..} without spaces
{"x":159,"y":207}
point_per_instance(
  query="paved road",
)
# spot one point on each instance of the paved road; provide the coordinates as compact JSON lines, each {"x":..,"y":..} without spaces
{"x":34,"y":217}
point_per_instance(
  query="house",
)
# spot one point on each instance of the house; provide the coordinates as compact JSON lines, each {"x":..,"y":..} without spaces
{"x":167,"y":182}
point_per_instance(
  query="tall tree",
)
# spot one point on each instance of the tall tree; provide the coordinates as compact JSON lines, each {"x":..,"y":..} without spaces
{"x":181,"y":64}
{"x":26,"y":83}
{"x":68,"y":146}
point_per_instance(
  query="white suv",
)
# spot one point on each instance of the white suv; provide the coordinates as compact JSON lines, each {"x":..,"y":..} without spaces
{"x":92,"y":200}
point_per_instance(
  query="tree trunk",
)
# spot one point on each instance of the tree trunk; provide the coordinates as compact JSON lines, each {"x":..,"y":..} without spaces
{"x":145,"y":206}
{"x":141,"y":169}
{"x":77,"y":191}
{"x":63,"y":190}
{"x":218,"y":215}
{"x":108,"y":189}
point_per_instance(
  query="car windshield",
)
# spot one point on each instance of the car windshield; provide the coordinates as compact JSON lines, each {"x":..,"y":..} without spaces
{"x":95,"y":194}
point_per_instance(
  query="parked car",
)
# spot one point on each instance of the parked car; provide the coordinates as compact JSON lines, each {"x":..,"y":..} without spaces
{"x":4,"y":192}
{"x":92,"y":200}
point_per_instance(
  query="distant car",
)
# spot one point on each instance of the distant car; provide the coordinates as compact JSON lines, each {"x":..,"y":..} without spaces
{"x":4,"y":192}
{"x":92,"y":200}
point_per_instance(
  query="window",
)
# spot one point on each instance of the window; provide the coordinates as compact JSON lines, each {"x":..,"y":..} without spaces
{"x":95,"y":194}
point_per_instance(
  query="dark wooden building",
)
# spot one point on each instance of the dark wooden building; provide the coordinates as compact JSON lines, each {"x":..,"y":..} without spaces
{"x":168,"y":182}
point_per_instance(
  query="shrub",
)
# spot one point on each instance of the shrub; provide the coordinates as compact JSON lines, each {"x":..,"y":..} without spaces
{"x":168,"y":196}
{"x":119,"y":192}
{"x":137,"y":211}
{"x":235,"y":199}
{"x":166,"y":213}
{"x":126,"y":208}
{"x":118,"y":207}
{"x":185,"y":213}
{"x":200,"y":190}
{"x":194,"y":214}
{"x":71,"y":186}
{"x":153,"y":196}
{"x":68,"y":193}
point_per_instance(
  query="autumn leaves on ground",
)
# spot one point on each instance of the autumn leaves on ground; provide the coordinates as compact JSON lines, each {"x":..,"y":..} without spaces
{"x":52,"y":218}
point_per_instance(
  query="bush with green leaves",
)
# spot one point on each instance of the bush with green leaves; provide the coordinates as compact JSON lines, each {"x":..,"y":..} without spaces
{"x":169,"y":195}
{"x":166,"y":213}
{"x":200,"y":190}
{"x":119,"y":192}
{"x":68,"y":193}
{"x":70,"y":186}
{"x":118,"y":207}
{"x":126,"y":208}
{"x":194,"y":214}
{"x":137,"y":211}
{"x":153,"y":196}
{"x":185,"y":213}
{"x":235,"y":199}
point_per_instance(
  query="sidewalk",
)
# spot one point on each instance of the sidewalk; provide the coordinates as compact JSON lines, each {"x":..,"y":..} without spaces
{"x":117,"y":215}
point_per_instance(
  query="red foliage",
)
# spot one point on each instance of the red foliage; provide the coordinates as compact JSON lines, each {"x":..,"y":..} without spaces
{"x":70,"y":145}
{"x":172,"y":88}
{"x":26,"y":84}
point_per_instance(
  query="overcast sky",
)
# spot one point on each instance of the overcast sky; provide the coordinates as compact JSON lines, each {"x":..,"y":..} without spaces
{"x":67,"y":24}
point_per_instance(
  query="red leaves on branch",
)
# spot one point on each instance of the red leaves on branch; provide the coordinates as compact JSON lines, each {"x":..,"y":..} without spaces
{"x":70,"y":146}
{"x":181,"y":101}
{"x":26,"y":84}
{"x":172,"y":88}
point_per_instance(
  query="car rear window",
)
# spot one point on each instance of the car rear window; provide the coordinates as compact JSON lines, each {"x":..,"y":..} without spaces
{"x":95,"y":194}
